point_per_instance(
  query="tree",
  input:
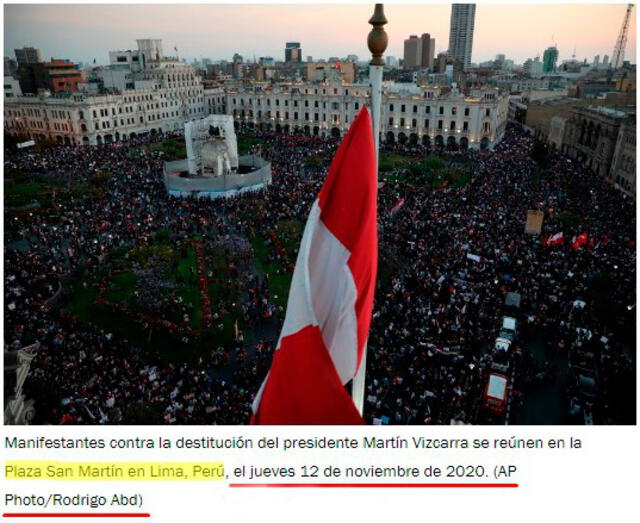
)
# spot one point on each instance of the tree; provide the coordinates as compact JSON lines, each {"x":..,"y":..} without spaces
{"x":540,"y":153}
{"x":100,"y":178}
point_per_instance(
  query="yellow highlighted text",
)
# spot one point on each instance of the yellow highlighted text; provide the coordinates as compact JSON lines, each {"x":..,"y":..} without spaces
{"x":114,"y":470}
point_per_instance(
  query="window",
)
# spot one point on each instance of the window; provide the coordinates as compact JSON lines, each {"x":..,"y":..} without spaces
{"x":391,"y":121}
{"x":453,"y":126}
{"x":428,"y":109}
{"x":441,"y":110}
{"x":426,"y":124}
{"x":454,"y":110}
{"x":465,"y":126}
{"x":402,"y":108}
{"x":391,"y":108}
{"x":488,"y":112}
{"x":414,"y":123}
{"x":401,"y":122}
{"x":357,"y":105}
{"x":466,"y":111}
{"x":439,"y":124}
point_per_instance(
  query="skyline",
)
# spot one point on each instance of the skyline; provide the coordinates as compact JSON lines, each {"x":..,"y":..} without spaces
{"x":211,"y":31}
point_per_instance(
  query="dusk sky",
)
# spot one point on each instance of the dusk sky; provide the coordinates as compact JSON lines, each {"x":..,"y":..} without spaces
{"x":84,"y":32}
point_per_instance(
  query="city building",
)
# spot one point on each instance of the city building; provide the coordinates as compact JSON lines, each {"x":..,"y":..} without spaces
{"x":292,"y":52}
{"x":10,"y":67}
{"x":534,"y":68}
{"x":410,"y":113}
{"x":11,"y":87}
{"x":427,"y":50}
{"x":412,"y":52}
{"x":150,"y":49}
{"x":321,"y":71}
{"x":130,"y":60}
{"x":605,"y":61}
{"x":28,"y":55}
{"x":56,"y":76}
{"x":461,"y":33}
{"x":623,"y":169}
{"x":549,"y":59}
{"x":391,"y":62}
{"x":591,"y":137}
{"x":166,"y":94}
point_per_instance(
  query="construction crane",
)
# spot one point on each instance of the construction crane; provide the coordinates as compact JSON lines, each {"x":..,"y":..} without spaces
{"x":621,"y":42}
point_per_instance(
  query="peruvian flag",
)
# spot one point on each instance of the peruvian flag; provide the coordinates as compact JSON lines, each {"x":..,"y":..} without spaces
{"x":578,"y":241}
{"x":331,"y":297}
{"x":397,"y":207}
{"x":556,"y":239}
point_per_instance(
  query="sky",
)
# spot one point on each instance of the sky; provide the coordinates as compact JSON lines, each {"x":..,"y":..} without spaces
{"x":82,"y":32}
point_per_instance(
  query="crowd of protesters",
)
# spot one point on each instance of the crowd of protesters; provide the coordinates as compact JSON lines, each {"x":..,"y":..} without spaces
{"x":447,"y":259}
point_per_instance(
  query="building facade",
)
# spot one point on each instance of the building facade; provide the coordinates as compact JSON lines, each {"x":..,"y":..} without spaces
{"x":412,"y":52}
{"x":427,"y":45}
{"x":28,"y":55}
{"x":591,"y":135}
{"x":461,"y":29}
{"x":11,"y":87}
{"x":293,"y":52}
{"x":623,"y":169}
{"x":422,"y":115}
{"x":170,"y":94}
{"x":549,"y":59}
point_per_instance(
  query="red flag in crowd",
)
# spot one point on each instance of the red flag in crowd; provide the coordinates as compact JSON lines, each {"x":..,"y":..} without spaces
{"x":578,"y":241}
{"x":556,"y":239}
{"x":331,"y":296}
{"x":397,"y":207}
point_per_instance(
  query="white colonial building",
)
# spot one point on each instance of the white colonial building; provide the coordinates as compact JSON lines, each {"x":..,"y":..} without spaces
{"x":165,"y":95}
{"x":415,"y":114}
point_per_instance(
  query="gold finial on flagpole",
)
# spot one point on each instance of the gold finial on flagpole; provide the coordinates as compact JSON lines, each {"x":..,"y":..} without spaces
{"x":377,"y":40}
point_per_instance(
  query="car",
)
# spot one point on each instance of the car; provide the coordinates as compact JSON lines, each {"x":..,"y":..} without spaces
{"x":496,"y":394}
{"x":509,"y":328}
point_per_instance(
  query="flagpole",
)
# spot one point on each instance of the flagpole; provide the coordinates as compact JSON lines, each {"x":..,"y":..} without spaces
{"x":377,"y":42}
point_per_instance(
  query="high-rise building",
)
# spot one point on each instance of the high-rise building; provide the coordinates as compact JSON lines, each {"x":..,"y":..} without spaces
{"x":28,"y":55}
{"x":391,"y":62}
{"x":427,"y":45}
{"x":461,"y":33}
{"x":10,"y":67}
{"x":412,"y":52}
{"x":596,"y":61}
{"x":605,"y":60}
{"x":292,"y":52}
{"x":549,"y":59}
{"x":533,"y":67}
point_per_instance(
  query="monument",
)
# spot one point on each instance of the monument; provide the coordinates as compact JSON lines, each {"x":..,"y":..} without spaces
{"x":213,"y":168}
{"x":18,"y":409}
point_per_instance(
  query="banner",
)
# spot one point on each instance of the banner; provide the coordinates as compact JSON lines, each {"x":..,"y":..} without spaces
{"x":534,"y":222}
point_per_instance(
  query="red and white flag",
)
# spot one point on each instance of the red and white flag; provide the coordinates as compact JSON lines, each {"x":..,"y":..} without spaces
{"x":578,"y":241}
{"x":331,"y":297}
{"x":397,"y":207}
{"x":556,"y":239}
